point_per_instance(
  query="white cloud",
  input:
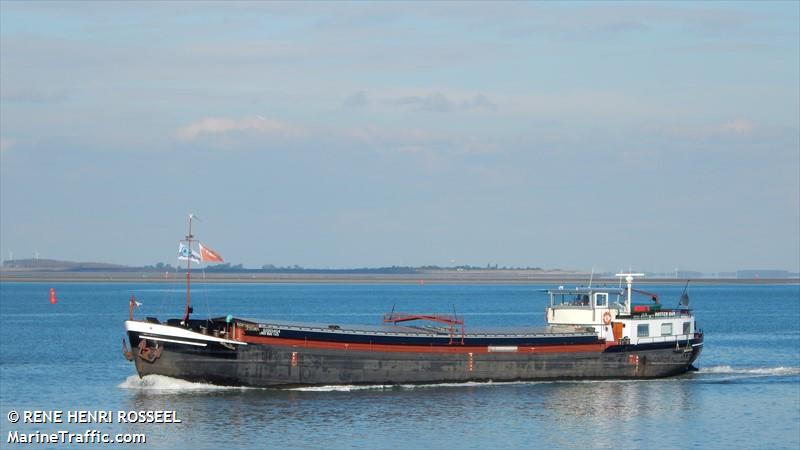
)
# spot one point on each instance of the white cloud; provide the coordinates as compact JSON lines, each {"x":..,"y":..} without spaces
{"x":738,"y":126}
{"x":438,"y":102}
{"x":257,"y":124}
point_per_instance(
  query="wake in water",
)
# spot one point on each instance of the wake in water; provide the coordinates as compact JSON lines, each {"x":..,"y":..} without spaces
{"x":164,"y":384}
{"x":364,"y":387}
{"x":727,"y":374}
{"x":727,"y":370}
{"x":160,"y":383}
{"x":760,"y":371}
{"x":345,"y":388}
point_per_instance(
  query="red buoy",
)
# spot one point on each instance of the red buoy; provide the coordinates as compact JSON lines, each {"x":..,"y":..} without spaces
{"x":52,"y":296}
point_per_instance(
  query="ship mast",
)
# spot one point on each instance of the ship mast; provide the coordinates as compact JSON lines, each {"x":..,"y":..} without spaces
{"x":188,"y":272}
{"x":629,"y":281}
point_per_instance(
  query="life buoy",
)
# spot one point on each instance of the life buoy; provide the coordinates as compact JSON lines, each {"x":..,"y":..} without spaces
{"x":606,"y":317}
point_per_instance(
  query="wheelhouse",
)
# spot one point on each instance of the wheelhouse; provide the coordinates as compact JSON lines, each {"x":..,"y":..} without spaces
{"x":589,"y":298}
{"x":611,"y":313}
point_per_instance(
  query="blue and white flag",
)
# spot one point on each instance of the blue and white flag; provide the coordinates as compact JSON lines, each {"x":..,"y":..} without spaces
{"x":185,"y":253}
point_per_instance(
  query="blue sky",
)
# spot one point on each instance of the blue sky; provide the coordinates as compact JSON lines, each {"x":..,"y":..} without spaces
{"x":573,"y":135}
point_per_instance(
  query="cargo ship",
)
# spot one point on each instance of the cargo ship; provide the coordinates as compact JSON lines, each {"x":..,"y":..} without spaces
{"x":590,"y":333}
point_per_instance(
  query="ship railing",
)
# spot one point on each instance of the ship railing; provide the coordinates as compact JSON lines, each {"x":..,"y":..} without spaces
{"x":671,"y":338}
{"x":587,"y":306}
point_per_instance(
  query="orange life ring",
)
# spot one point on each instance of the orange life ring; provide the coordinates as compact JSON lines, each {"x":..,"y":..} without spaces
{"x":606,"y":317}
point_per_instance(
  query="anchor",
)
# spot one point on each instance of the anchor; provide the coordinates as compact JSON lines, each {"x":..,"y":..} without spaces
{"x":149,"y":354}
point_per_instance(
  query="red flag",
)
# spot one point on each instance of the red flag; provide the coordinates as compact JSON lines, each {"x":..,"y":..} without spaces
{"x":206,"y":254}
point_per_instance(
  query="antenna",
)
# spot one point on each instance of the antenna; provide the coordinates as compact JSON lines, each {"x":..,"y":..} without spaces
{"x":188,"y":272}
{"x":591,"y":277}
{"x":629,"y":281}
{"x":684,"y":300}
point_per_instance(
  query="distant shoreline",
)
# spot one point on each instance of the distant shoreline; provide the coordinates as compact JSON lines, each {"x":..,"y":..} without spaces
{"x":449,"y":277}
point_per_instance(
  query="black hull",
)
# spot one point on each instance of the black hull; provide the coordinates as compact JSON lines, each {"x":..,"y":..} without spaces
{"x":267,"y":365}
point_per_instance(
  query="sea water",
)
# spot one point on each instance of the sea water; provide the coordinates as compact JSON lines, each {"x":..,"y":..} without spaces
{"x":68,"y":357}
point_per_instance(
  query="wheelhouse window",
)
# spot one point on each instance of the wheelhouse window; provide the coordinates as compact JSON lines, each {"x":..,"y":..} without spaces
{"x":666,"y":329}
{"x":601,"y":299}
{"x":687,"y":327}
{"x":643,"y":330}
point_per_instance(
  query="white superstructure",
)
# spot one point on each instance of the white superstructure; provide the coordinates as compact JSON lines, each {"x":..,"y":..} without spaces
{"x":611,"y":313}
